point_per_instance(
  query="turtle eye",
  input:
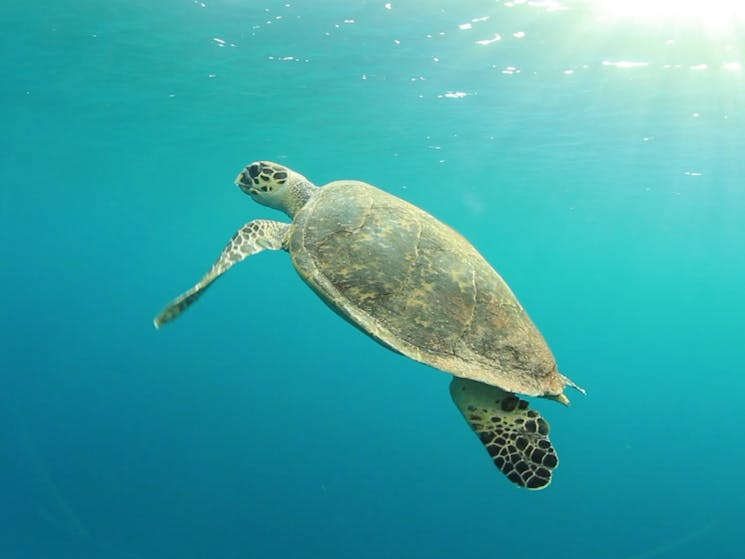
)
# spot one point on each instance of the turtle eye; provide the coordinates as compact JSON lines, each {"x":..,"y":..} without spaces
{"x":253,"y":170}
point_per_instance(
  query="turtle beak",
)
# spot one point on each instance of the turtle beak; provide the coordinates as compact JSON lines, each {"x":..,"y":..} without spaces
{"x":244,"y":181}
{"x":243,"y":178}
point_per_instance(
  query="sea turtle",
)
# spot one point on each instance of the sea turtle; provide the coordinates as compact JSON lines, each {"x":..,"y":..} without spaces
{"x":417,"y":287}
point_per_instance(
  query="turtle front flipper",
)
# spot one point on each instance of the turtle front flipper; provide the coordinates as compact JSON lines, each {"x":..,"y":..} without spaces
{"x":514,"y":436}
{"x":253,"y":237}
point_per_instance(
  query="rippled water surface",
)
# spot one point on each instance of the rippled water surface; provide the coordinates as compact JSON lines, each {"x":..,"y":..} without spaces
{"x":593,"y":153}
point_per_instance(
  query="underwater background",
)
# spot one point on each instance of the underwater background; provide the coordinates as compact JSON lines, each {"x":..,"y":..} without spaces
{"x":596,"y":159}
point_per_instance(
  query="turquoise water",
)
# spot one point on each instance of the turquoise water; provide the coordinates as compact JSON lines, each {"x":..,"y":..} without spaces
{"x":597,"y":163}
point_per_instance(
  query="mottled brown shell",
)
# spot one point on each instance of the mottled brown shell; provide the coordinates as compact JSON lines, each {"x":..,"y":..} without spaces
{"x":417,"y":286}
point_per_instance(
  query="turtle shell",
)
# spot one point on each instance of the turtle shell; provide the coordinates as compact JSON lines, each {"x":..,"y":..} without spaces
{"x":418,"y":287}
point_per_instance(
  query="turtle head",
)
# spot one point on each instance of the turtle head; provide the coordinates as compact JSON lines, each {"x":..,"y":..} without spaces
{"x":271,"y":184}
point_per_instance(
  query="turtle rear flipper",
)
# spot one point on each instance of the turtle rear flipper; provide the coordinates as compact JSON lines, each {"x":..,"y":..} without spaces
{"x":514,"y":436}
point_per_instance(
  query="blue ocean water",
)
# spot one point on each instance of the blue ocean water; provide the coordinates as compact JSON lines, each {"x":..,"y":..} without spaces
{"x":596,"y":161}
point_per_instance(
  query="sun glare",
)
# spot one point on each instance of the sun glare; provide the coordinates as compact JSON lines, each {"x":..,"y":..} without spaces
{"x":719,"y":15}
